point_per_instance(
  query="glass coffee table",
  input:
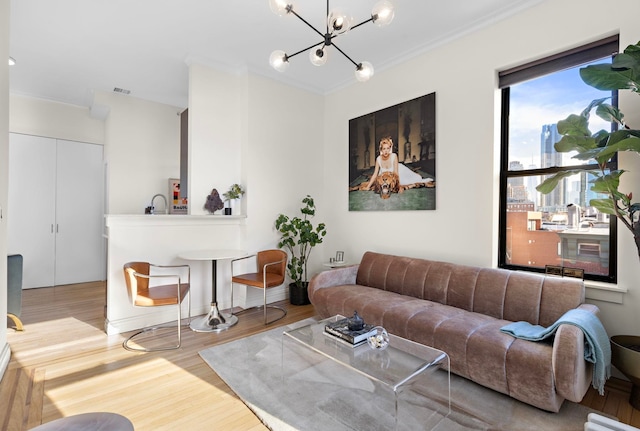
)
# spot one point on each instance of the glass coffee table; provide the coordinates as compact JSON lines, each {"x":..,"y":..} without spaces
{"x":396,"y":367}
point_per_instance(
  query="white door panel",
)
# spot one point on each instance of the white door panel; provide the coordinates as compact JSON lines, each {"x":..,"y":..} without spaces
{"x":31,"y":207}
{"x":79,"y":213}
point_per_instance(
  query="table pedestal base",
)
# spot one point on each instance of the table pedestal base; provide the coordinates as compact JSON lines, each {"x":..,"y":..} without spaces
{"x":214,"y":321}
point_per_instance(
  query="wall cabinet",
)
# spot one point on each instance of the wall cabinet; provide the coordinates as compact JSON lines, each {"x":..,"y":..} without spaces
{"x":55,"y":214}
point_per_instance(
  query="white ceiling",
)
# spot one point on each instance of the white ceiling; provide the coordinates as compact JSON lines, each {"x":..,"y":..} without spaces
{"x":67,"y":49}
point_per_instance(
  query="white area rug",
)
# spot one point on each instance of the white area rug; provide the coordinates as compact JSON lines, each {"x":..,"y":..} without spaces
{"x":313,"y":393}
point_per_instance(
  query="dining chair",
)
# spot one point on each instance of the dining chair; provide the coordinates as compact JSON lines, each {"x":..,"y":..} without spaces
{"x":150,"y":285}
{"x":271,"y":266}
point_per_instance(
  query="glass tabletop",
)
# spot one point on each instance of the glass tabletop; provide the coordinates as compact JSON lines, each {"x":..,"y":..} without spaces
{"x":396,"y":366}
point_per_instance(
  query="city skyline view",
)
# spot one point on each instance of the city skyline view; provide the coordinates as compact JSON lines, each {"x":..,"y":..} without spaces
{"x":542,"y":102}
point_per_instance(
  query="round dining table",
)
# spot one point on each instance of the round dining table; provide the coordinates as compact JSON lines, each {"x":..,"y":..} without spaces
{"x":215,"y":320}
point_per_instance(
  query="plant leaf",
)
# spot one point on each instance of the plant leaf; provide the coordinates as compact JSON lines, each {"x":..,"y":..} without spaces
{"x":604,"y":77}
{"x":574,"y":125}
{"x":631,"y":143}
{"x":609,"y":113}
{"x":606,"y":183}
{"x":603,"y":205}
{"x":550,"y":183}
{"x":575,"y":143}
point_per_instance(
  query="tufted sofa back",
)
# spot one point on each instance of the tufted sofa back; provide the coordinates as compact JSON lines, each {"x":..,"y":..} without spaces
{"x":500,"y":293}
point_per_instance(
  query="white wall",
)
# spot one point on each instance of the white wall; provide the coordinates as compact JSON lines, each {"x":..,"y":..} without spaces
{"x":142,"y":151}
{"x":5,"y":352}
{"x":217,"y":111}
{"x":463,"y":73}
{"x":32,"y":116}
{"x":283,"y":158}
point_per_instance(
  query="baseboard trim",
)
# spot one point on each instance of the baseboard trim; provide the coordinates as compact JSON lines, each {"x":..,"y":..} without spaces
{"x":5,"y":357}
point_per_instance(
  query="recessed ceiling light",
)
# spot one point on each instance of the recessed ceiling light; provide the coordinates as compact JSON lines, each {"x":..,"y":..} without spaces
{"x":12,"y":61}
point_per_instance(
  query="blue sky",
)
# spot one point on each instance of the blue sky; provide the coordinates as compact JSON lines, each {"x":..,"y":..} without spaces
{"x":546,"y":100}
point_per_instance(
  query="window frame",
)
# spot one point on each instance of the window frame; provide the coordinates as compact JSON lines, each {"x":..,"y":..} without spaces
{"x":548,"y":65}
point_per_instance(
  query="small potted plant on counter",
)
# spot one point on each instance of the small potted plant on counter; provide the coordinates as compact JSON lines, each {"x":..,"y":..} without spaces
{"x":298,"y":236}
{"x":235,"y":192}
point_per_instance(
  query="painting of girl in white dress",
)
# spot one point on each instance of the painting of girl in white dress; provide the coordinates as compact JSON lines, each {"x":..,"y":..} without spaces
{"x":394,"y":177}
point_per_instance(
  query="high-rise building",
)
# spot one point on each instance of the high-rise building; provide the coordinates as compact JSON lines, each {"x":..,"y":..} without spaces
{"x":549,"y":157}
{"x":516,"y":191}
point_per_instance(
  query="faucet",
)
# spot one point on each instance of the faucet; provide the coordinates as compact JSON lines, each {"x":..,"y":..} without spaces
{"x":152,"y":208}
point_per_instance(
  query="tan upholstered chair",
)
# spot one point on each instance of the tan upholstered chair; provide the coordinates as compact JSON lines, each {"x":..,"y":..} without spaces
{"x":145,"y":291}
{"x":271,"y":267}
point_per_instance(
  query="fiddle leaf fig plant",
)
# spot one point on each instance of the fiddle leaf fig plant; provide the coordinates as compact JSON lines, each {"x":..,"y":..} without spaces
{"x":299,"y":236}
{"x":622,"y":74}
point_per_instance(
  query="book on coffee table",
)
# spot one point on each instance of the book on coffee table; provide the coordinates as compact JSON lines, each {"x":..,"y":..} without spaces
{"x":340,"y":329}
{"x":334,"y":339}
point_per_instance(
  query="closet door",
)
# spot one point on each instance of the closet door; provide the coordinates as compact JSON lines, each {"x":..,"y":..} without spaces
{"x":80,"y":255}
{"x":31,"y":207}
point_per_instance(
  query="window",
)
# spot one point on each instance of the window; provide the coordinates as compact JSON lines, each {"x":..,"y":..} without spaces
{"x":559,"y":228}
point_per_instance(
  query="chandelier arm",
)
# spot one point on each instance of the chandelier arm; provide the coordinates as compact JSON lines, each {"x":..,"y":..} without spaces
{"x":363,"y":22}
{"x":348,"y":58}
{"x":327,"y":16}
{"x":306,"y":49}
{"x":305,"y":21}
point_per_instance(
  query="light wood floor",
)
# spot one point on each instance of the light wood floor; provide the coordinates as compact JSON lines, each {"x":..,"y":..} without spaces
{"x":64,"y":364}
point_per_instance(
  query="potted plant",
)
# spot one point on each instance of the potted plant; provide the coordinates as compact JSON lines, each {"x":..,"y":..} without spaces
{"x":622,"y":74}
{"x":234,"y":192}
{"x":298,"y":236}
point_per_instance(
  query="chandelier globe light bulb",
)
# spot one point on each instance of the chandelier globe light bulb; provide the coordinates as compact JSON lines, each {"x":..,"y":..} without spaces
{"x":278,"y":60}
{"x":339,"y":22}
{"x":364,"y":71}
{"x":318,"y":56}
{"x":382,"y":13}
{"x":280,"y":7}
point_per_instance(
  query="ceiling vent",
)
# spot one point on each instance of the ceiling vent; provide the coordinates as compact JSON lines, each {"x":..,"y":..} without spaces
{"x":121,"y":90}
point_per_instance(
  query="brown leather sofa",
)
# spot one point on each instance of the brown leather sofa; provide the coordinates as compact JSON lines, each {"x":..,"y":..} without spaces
{"x":460,"y":309}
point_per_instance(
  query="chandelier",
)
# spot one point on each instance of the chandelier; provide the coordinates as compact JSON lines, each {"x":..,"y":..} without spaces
{"x":338,"y":23}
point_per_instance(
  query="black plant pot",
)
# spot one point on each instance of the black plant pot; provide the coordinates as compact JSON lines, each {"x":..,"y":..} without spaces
{"x":625,"y":356}
{"x":298,"y":295}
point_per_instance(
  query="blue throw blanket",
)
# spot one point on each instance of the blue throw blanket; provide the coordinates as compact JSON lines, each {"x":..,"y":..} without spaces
{"x":597,"y":349}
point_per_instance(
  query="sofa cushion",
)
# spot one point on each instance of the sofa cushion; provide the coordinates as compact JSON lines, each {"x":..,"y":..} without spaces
{"x":499,"y":293}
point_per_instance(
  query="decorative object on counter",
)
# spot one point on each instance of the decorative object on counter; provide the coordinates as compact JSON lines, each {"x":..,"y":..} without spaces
{"x":235,"y":192}
{"x":213,"y":202}
{"x":378,"y":338}
{"x":298,"y":236}
{"x":179,"y":205}
{"x":339,"y":257}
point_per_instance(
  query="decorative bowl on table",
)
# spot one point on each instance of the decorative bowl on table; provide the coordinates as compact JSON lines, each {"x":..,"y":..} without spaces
{"x":378,"y":338}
